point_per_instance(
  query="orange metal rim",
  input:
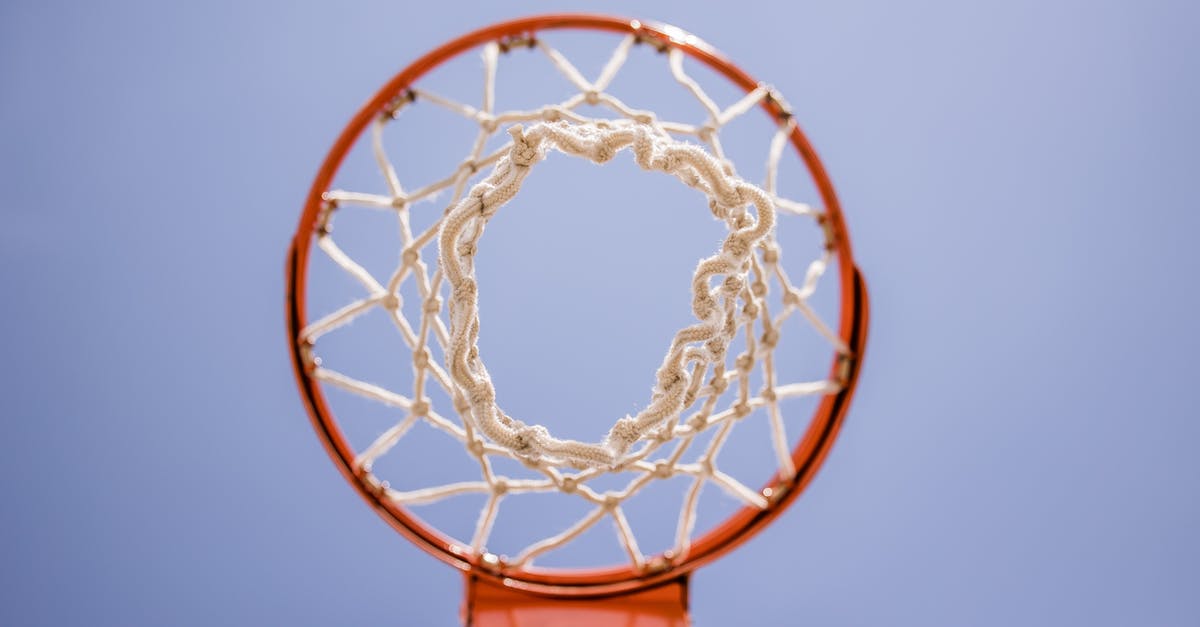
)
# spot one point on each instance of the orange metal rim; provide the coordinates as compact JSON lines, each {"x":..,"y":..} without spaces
{"x":809,"y":453}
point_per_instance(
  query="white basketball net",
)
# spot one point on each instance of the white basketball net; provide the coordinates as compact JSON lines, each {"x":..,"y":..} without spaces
{"x":699,"y":386}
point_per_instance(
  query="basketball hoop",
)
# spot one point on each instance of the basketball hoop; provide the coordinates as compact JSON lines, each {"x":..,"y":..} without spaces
{"x":718,"y":370}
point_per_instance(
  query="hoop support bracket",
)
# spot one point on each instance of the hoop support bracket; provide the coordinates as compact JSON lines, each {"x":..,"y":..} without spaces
{"x":491,"y":604}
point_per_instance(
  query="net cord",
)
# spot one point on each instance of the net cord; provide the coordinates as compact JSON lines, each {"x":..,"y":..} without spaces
{"x":694,"y":376}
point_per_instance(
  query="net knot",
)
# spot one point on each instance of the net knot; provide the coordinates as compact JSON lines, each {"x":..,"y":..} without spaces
{"x":528,"y":437}
{"x":770,"y":337}
{"x":728,"y":200}
{"x":482,"y":395}
{"x":465,"y":291}
{"x":592,"y":97}
{"x":690,"y":178}
{"x":469,"y":167}
{"x":717,"y":348}
{"x":719,"y":385}
{"x":670,"y":378}
{"x":652,"y":157}
{"x":487,"y":121}
{"x":742,"y":219}
{"x":623,"y":435}
{"x":523,"y":152}
{"x":484,"y":194}
{"x":420,"y":408}
{"x":421,"y":358}
{"x":770,"y":254}
{"x":702,"y":298}
{"x":736,"y":248}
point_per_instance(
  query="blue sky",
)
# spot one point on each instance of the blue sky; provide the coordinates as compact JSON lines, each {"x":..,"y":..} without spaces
{"x":1017,"y":178}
